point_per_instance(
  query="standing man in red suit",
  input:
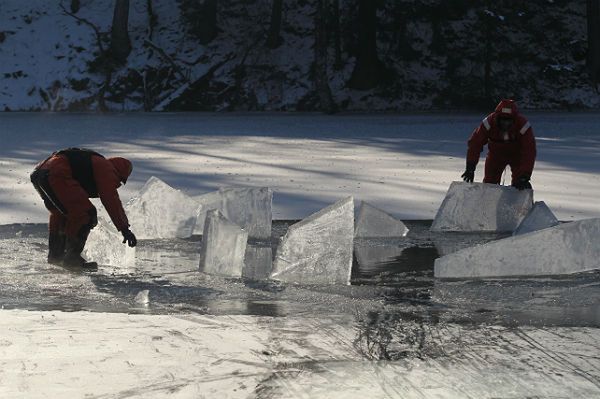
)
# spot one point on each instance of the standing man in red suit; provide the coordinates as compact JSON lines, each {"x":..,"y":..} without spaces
{"x":65,"y":181}
{"x":510,"y":141}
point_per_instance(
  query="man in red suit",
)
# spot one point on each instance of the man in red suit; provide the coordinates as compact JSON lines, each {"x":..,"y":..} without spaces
{"x":65,"y":181}
{"x":510,"y":141}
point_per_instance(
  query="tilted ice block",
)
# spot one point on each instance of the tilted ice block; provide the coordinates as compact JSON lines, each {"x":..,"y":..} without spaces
{"x":563,"y":249}
{"x":373,"y":222}
{"x":104,"y":246}
{"x":539,"y":217}
{"x":206,"y":202}
{"x":223,"y":246}
{"x":249,"y":208}
{"x":318,"y":249}
{"x":160,"y":211}
{"x":482,"y":207}
{"x":258,"y":262}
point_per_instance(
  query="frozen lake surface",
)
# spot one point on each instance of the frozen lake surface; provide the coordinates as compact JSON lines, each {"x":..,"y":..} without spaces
{"x":394,"y":332}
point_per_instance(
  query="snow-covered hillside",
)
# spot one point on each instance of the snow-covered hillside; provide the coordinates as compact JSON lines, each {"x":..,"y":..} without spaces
{"x":50,"y":58}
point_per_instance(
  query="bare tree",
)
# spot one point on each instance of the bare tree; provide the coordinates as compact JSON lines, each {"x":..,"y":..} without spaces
{"x":337,"y":36}
{"x":274,"y":39}
{"x":321,"y":76}
{"x":120,"y":45}
{"x":593,"y":28}
{"x":75,"y":5}
{"x":368,"y":69}
{"x":207,"y":25}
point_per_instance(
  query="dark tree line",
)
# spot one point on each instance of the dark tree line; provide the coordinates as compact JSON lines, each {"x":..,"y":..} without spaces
{"x":332,"y":43}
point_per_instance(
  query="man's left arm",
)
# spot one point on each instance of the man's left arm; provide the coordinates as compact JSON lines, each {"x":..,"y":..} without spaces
{"x":107,"y":183}
{"x":528,"y":150}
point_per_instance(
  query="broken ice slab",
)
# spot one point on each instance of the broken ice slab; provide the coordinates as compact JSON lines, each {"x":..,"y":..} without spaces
{"x":160,"y":211}
{"x":563,"y":249}
{"x":373,"y":222}
{"x":482,"y":207}
{"x":374,"y":256}
{"x":318,"y":249}
{"x":104,"y":246}
{"x":258,"y":262}
{"x":539,"y":217}
{"x":249,"y":208}
{"x":223,"y":246}
{"x":206,"y":202}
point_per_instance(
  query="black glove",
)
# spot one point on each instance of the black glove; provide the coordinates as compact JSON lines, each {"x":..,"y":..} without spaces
{"x":469,"y":174}
{"x":129,"y":238}
{"x":522,"y":183}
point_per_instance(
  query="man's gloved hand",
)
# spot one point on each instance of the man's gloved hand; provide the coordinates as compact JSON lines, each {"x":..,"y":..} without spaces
{"x":129,"y":238}
{"x":469,"y":174}
{"x":522,"y":183}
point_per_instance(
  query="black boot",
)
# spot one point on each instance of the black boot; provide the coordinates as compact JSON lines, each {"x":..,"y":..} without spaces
{"x":73,"y":248}
{"x":56,"y":248}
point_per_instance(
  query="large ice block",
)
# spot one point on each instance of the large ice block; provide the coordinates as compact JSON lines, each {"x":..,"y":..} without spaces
{"x":104,"y":246}
{"x":318,"y":249}
{"x":258,"y":262}
{"x":482,"y":207}
{"x":223,"y":246}
{"x":160,"y":211}
{"x":373,"y":222}
{"x":539,"y":217}
{"x":563,"y":249}
{"x":249,"y":208}
{"x":206,"y":202}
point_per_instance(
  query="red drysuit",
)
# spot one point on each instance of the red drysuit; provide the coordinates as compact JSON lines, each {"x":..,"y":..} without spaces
{"x":96,"y":177}
{"x":516,"y":147}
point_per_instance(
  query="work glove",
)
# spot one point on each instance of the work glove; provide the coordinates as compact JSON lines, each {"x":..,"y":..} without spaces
{"x":129,"y":238}
{"x":522,"y":183}
{"x":469,"y":174}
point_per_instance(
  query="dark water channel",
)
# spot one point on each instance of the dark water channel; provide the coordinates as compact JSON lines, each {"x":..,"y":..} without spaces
{"x":392,"y":280}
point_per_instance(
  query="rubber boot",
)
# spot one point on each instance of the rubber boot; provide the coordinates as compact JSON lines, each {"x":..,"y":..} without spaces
{"x":56,"y":248}
{"x":73,"y":248}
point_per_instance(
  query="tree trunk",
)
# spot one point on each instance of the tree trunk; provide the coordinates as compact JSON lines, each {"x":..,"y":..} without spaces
{"x":274,"y":39}
{"x":120,"y":45}
{"x":368,"y":69}
{"x":75,"y":6}
{"x":208,"y":23}
{"x":337,"y":36}
{"x":487,"y":68}
{"x":593,"y":29}
{"x":326,"y":103}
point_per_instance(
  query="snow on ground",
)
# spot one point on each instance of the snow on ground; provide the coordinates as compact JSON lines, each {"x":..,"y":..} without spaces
{"x":95,"y":355}
{"x":400,"y":163}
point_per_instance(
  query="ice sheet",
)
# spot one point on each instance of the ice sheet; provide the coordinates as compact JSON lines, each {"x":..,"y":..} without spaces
{"x":223,"y":246}
{"x":318,"y":249}
{"x":160,"y":211}
{"x":104,"y":246}
{"x":564,"y":249}
{"x":538,"y":218}
{"x":482,"y":207}
{"x":373,"y":222}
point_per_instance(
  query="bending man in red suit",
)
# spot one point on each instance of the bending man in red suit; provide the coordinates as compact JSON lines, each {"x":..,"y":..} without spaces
{"x":510,"y":141}
{"x":65,"y":181}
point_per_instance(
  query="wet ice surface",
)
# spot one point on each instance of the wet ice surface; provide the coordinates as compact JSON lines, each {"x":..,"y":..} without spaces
{"x":395,"y":332}
{"x":392,"y":276}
